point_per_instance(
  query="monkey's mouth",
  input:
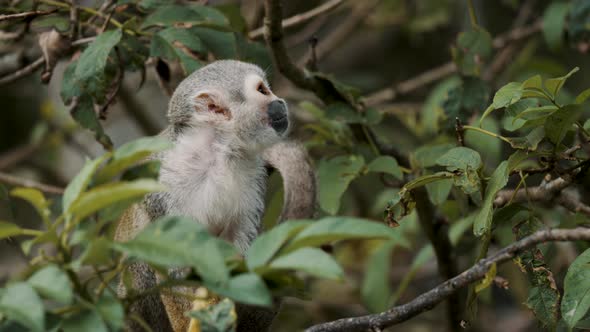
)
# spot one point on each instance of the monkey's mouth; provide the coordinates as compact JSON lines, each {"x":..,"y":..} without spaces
{"x":277,"y":116}
{"x":280,"y":125}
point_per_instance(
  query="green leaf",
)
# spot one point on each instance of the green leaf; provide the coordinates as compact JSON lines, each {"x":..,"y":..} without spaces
{"x":36,"y":198}
{"x":246,"y":288}
{"x":19,"y":302}
{"x":220,"y":317}
{"x":467,"y":162}
{"x":466,"y":99}
{"x":53,"y":283}
{"x":483,"y":220}
{"x":334,"y":177}
{"x":87,"y":321}
{"x":169,"y":15}
{"x":507,"y":95}
{"x":105,"y":195}
{"x":221,"y":44}
{"x":178,"y":44}
{"x":266,"y":245}
{"x":81,"y":181}
{"x":8,"y":229}
{"x":530,"y":142}
{"x":131,"y":153}
{"x":211,"y":14}
{"x":385,"y":164}
{"x":175,"y":242}
{"x":332,"y":229}
{"x":97,"y":252}
{"x":426,"y":156}
{"x":576,"y":296}
{"x":111,"y":310}
{"x":69,"y":85}
{"x":473,"y":49}
{"x":583,"y":96}
{"x":432,"y":111}
{"x":343,"y":112}
{"x":460,"y":158}
{"x":560,"y":121}
{"x":438,"y":191}
{"x":543,"y":302}
{"x":83,"y":113}
{"x":376,"y":288}
{"x":253,"y":52}
{"x":93,"y":60}
{"x":309,"y":260}
{"x":553,"y":85}
{"x":554,"y":24}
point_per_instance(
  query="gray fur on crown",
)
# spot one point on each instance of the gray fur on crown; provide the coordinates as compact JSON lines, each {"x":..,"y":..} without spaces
{"x":227,"y":75}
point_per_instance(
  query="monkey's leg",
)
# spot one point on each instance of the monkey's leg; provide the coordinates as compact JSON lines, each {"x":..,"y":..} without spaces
{"x":254,"y":318}
{"x":175,"y":305}
{"x":149,"y":308}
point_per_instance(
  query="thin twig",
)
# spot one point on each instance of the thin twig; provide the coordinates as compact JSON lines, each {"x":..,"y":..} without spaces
{"x":74,"y":20}
{"x":23,"y":71}
{"x":16,"y":155}
{"x":300,"y":18}
{"x":505,"y":55}
{"x":435,"y":74}
{"x":26,"y":15}
{"x":20,"y":182}
{"x":460,"y":132}
{"x":331,"y":41}
{"x":430,"y":299}
{"x":472,"y":15}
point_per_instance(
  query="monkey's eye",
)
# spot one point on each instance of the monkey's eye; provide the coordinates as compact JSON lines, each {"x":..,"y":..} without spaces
{"x":262,"y":89}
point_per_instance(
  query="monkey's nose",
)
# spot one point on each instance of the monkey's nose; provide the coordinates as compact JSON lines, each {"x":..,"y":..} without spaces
{"x":277,"y":114}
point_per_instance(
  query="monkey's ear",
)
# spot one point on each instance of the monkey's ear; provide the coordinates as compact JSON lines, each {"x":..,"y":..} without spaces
{"x":213,"y":102}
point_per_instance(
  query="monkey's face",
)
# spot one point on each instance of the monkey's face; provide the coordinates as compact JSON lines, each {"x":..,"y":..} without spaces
{"x":263,"y":109}
{"x":250,"y":111}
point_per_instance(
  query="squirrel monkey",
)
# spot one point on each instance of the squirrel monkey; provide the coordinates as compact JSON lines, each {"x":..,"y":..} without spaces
{"x":226,"y":125}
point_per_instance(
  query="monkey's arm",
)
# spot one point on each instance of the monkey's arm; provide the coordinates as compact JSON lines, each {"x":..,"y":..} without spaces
{"x":299,"y":183}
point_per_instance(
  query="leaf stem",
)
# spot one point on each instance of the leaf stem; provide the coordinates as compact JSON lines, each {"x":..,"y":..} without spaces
{"x":31,"y":232}
{"x":489,"y":133}
{"x":472,"y":15}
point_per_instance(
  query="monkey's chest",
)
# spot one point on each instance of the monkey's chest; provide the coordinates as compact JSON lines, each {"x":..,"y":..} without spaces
{"x":219,"y":199}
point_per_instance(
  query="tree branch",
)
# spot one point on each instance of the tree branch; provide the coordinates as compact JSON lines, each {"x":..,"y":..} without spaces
{"x":22,"y":72}
{"x":26,"y":15}
{"x":544,"y":192}
{"x":550,"y":192}
{"x":438,"y":236}
{"x":446,"y":69}
{"x":17,"y":154}
{"x":20,"y":182}
{"x":300,"y":18}
{"x":273,"y":34}
{"x":430,"y":299}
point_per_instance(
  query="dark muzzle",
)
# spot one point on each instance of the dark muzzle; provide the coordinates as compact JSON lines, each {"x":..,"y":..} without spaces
{"x":277,"y":115}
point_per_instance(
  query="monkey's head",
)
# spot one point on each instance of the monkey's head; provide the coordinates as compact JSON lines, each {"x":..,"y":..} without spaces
{"x":233,"y":98}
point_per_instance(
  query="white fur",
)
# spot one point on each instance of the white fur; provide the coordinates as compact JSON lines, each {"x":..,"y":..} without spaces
{"x":217,"y":187}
